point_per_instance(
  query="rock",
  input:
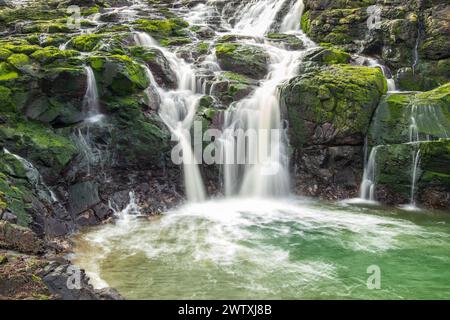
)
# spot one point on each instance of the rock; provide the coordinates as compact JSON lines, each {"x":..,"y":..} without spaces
{"x":333,"y":105}
{"x":83,"y":196}
{"x":245,"y":59}
{"x":14,"y":237}
{"x":9,"y":217}
{"x":287,"y":41}
{"x":19,"y":279}
{"x":158,"y":64}
{"x":229,"y":87}
{"x":433,"y":175}
{"x":392,"y":120}
{"x":68,"y":282}
{"x":118,"y":75}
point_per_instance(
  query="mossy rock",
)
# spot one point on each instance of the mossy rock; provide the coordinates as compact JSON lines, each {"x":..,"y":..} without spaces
{"x":158,"y":64}
{"x":229,"y":87}
{"x":51,"y":54}
{"x":332,"y":105}
{"x":118,"y":74}
{"x":288,"y":41}
{"x":248,"y":60}
{"x":171,"y":31}
{"x":392,"y":120}
{"x":37,"y":143}
{"x":86,"y":42}
{"x":395,"y":164}
{"x":151,"y":138}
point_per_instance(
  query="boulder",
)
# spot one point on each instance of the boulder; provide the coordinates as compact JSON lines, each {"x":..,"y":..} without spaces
{"x":245,"y":59}
{"x":14,"y":237}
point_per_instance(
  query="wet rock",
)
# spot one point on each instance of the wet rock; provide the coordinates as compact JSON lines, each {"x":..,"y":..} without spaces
{"x":83,"y":196}
{"x":69,"y":282}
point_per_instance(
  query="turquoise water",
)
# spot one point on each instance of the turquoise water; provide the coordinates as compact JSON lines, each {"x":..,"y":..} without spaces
{"x":261,"y":249}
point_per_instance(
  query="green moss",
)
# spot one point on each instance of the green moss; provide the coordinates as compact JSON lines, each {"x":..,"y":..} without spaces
{"x":90,"y":11}
{"x":86,"y":42}
{"x":119,"y":74}
{"x":4,"y":54}
{"x":21,"y":48}
{"x":306,"y":22}
{"x":341,"y":95}
{"x":7,"y":72}
{"x":50,"y":54}
{"x":18,"y":60}
{"x":175,"y":41}
{"x":6,"y":102}
{"x":226,"y":48}
{"x":37,"y":141}
{"x":163,"y":28}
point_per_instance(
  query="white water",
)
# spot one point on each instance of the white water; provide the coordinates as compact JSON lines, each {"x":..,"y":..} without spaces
{"x":256,"y":16}
{"x":368,"y":184}
{"x":260,"y":167}
{"x":292,"y":20}
{"x":177,"y":109}
{"x":91,"y":105}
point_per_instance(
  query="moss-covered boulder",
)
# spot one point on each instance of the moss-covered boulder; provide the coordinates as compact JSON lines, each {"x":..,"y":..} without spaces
{"x":332,"y":105}
{"x":395,"y":166}
{"x":158,"y":65}
{"x":287,"y":41}
{"x":37,"y":143}
{"x":245,"y":59}
{"x":168,"y":32}
{"x":392,"y":121}
{"x":149,"y":136}
{"x":229,"y":87}
{"x":118,"y":74}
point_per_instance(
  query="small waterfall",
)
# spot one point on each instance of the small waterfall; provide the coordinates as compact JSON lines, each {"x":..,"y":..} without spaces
{"x":35,"y":178}
{"x":292,"y":20}
{"x":256,"y":16}
{"x":177,"y":109}
{"x":368,"y":184}
{"x":416,"y":52}
{"x":91,"y":106}
{"x":414,"y":139}
{"x":371,"y":62}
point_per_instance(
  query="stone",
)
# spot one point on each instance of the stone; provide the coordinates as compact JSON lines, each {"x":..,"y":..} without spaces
{"x":14,"y":237}
{"x":83,"y":196}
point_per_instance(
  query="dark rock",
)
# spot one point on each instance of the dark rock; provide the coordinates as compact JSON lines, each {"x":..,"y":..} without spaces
{"x":68,"y":282}
{"x":9,"y":217}
{"x":83,"y":196}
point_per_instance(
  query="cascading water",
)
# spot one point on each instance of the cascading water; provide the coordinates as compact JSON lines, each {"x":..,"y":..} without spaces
{"x":177,"y":109}
{"x":368,"y":184}
{"x":265,"y":168}
{"x":256,"y":16}
{"x":91,"y":106}
{"x":291,"y":21}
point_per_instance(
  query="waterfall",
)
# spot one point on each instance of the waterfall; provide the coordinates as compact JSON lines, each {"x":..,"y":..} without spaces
{"x":368,"y":183}
{"x":35,"y":178}
{"x":91,"y":106}
{"x":254,"y":142}
{"x":292,"y":20}
{"x":255,"y":17}
{"x":371,"y":62}
{"x":177,"y":110}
